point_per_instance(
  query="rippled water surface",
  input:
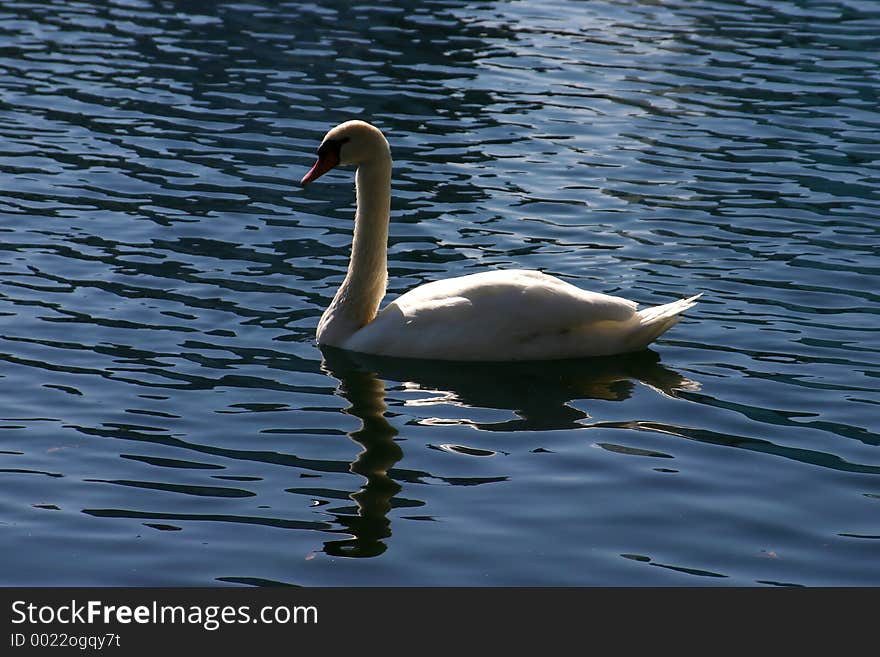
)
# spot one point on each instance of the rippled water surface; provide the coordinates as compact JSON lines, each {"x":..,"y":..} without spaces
{"x":166,"y":418}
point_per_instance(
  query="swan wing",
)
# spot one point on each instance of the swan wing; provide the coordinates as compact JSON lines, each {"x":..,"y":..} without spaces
{"x":496,"y":315}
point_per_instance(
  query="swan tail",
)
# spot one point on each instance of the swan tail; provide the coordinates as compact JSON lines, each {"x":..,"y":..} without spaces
{"x":653,"y":322}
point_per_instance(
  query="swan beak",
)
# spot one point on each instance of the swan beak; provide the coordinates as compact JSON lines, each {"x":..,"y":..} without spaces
{"x":326,"y":161}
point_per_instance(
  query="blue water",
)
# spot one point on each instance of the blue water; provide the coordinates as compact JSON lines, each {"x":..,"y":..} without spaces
{"x":166,"y":418}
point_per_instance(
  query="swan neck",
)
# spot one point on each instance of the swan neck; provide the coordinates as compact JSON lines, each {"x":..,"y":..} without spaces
{"x":369,"y":249}
{"x":360,"y":294}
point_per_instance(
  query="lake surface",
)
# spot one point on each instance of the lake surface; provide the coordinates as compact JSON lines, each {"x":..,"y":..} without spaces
{"x":167,"y":420}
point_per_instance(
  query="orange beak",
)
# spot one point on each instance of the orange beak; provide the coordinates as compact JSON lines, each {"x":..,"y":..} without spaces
{"x":326,"y":161}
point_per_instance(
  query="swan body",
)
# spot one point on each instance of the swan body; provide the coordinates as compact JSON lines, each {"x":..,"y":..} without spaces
{"x":500,"y":315}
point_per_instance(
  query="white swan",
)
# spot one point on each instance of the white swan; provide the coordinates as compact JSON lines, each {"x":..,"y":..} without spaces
{"x":500,"y":315}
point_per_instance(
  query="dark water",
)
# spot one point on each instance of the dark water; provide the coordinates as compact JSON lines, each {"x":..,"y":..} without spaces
{"x":166,"y":419}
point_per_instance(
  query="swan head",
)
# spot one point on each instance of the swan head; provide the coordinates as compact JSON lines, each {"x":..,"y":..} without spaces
{"x":349,"y":143}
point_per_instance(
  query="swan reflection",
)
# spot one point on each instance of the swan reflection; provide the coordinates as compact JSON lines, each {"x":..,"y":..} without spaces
{"x":366,"y":396}
{"x":539,"y":393}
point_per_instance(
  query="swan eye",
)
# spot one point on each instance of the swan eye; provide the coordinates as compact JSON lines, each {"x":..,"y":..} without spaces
{"x":328,"y":157}
{"x":331,"y":146}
